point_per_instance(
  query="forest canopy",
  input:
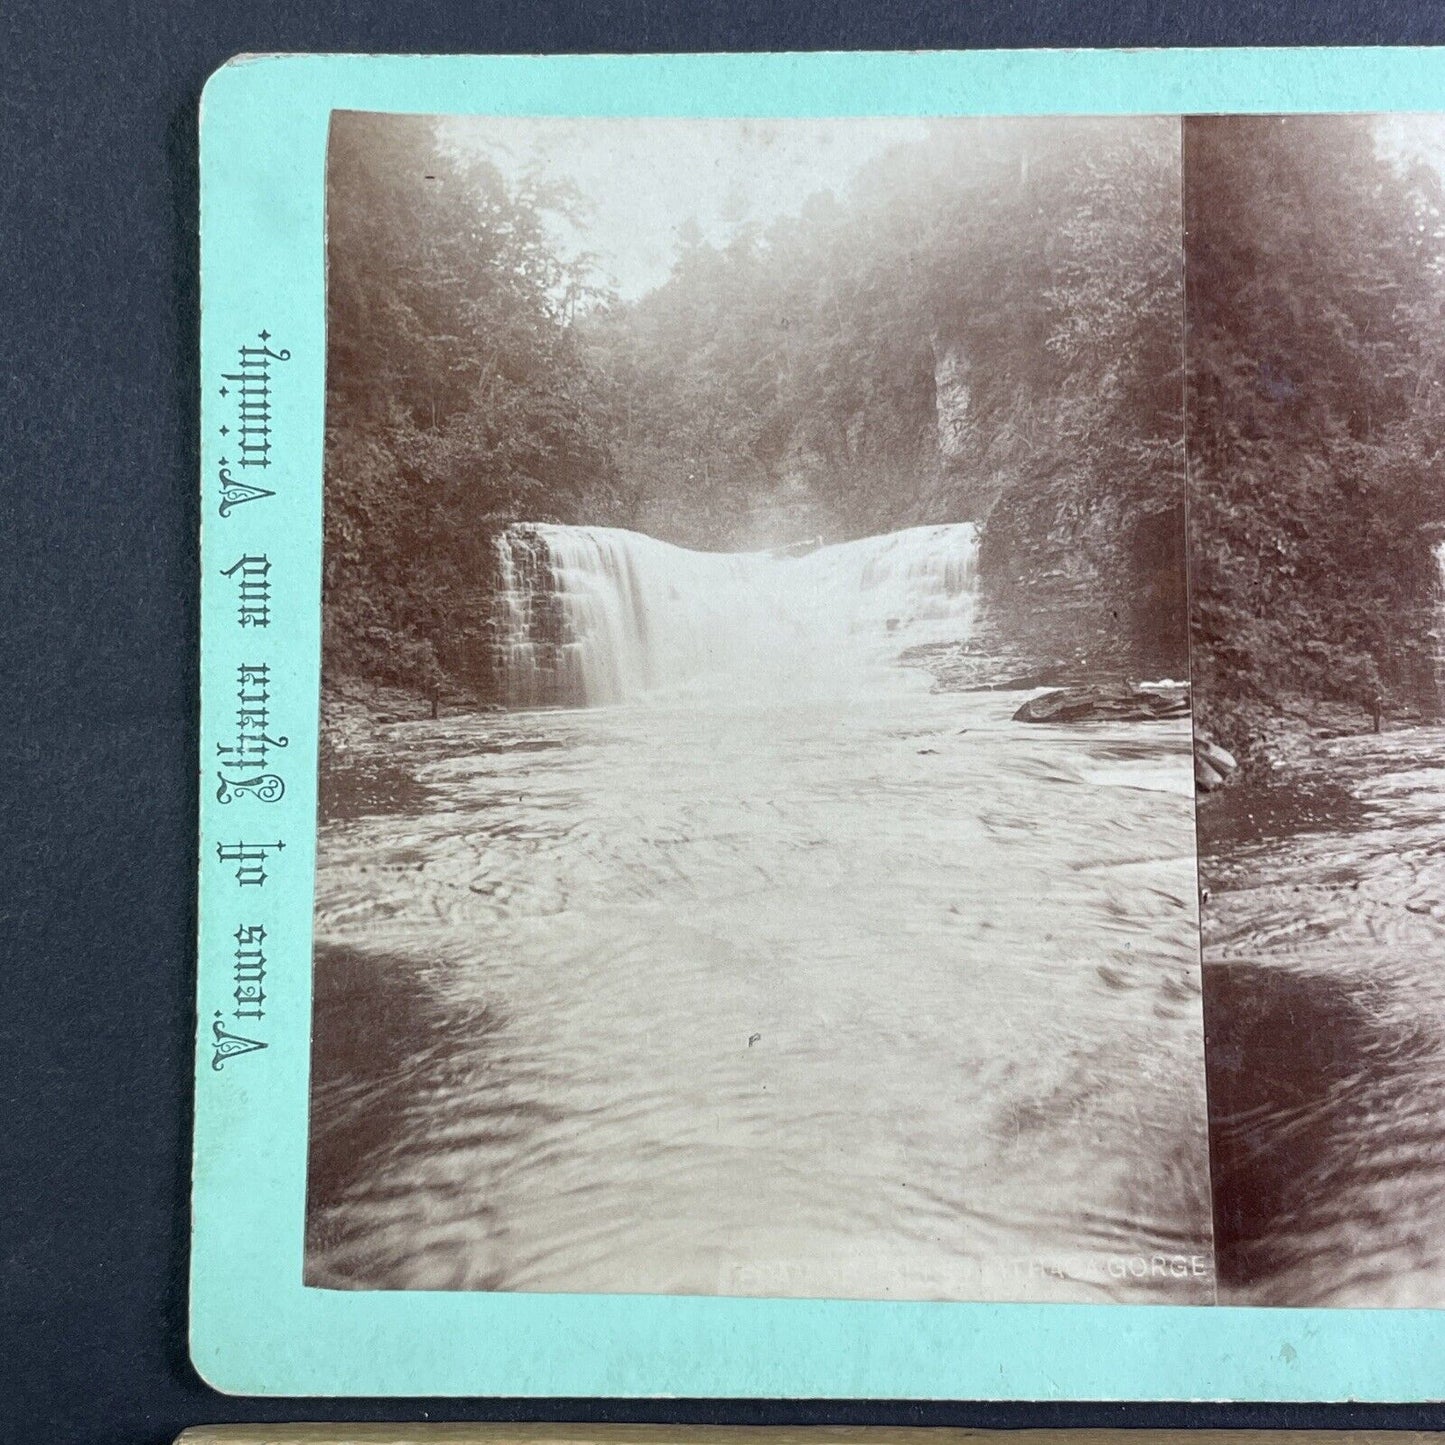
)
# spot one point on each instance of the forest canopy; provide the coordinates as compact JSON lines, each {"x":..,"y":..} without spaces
{"x":984,"y":327}
{"x":1315,"y":345}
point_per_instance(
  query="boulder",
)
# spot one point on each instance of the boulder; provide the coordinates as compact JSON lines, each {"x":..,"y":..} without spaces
{"x":1206,"y":778}
{"x":1213,"y":765}
{"x":1218,"y":758}
{"x":1105,"y":702}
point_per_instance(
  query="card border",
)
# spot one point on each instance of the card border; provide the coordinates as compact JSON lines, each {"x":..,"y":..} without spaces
{"x":255,"y":1329}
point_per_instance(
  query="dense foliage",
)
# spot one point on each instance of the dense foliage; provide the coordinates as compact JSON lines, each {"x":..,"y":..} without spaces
{"x":984,"y":312}
{"x":458,"y":398}
{"x":1315,"y":346}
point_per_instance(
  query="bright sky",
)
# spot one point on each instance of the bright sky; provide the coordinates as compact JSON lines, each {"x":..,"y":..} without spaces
{"x":1415,"y":137}
{"x":645,"y":178}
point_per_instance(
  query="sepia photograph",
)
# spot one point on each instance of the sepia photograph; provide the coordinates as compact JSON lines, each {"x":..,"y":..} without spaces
{"x":756,"y":842}
{"x":1315,"y":258}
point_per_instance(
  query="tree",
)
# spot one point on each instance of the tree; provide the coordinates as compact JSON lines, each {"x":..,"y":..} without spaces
{"x":1314,"y":303}
{"x":457,"y":400}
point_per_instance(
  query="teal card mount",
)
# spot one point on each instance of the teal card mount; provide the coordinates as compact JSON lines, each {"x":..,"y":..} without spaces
{"x":820,"y":696}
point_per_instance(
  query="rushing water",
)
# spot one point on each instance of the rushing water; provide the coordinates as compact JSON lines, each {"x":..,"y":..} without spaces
{"x":1324,"y":952}
{"x":599,"y":615}
{"x":783,"y":976}
{"x":1325,"y":968}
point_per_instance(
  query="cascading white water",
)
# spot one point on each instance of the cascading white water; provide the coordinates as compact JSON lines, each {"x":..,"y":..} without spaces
{"x":599,"y":615}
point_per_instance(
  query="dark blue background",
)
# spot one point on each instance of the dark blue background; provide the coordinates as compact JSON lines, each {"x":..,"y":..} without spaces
{"x":98,"y":517}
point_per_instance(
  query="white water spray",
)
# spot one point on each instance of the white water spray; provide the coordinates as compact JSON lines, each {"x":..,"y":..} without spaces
{"x":599,"y":615}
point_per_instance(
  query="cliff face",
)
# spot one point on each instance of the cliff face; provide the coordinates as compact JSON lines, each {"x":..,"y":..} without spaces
{"x":1074,"y":574}
{"x":1078,"y":565}
{"x":952,"y":393}
{"x":963,"y":483}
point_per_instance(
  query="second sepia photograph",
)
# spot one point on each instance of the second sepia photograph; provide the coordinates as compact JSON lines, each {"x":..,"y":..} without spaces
{"x":1315,"y":258}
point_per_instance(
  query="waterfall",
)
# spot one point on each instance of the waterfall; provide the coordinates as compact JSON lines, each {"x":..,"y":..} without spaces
{"x":592,"y":615}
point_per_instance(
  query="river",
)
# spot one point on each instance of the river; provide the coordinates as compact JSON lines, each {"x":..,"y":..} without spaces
{"x":1324,"y":946}
{"x":866,"y":992}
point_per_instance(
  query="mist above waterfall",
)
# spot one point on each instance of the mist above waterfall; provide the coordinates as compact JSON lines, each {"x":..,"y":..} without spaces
{"x":595,"y":615}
